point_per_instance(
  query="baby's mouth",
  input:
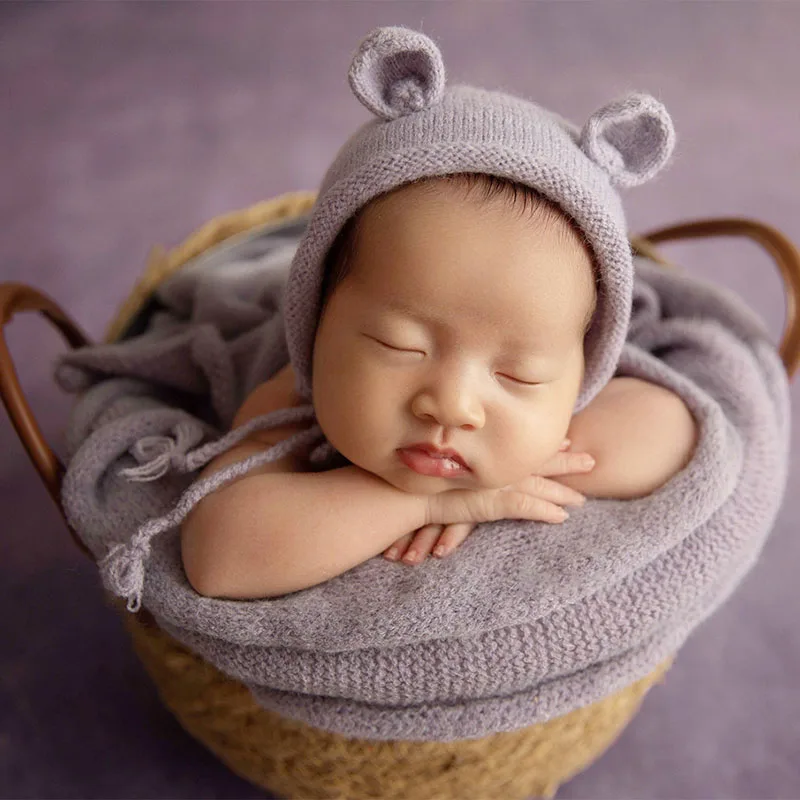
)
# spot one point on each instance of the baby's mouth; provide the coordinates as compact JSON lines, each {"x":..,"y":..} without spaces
{"x":426,"y":461}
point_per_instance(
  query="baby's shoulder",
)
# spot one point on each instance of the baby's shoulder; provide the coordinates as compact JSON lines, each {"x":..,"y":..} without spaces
{"x":276,"y":393}
{"x":635,"y":389}
{"x":650,"y":402}
{"x":641,"y":435}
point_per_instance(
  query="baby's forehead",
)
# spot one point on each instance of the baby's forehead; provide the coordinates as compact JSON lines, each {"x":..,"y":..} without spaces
{"x":407,"y":257}
{"x":383,"y":244}
{"x":413,"y":205}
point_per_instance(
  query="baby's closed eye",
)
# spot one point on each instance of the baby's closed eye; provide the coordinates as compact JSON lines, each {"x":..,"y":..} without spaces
{"x":396,"y":347}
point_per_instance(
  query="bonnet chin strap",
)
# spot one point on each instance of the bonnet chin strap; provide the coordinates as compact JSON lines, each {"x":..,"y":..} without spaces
{"x":123,"y":567}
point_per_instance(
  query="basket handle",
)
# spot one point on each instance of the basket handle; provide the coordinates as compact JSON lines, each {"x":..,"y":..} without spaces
{"x":782,"y":250}
{"x":16,"y":298}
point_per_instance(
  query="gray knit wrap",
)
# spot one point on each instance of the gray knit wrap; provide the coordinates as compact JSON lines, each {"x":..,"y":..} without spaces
{"x":424,"y":130}
{"x":524,"y":621}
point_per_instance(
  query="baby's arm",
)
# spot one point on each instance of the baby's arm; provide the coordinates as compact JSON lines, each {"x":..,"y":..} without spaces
{"x":270,"y":534}
{"x":640,"y":435}
{"x":277,"y":530}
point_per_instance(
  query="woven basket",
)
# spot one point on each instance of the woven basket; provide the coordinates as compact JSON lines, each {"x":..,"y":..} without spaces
{"x":296,"y":760}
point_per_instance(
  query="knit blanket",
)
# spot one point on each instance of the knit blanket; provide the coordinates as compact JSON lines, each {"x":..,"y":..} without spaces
{"x":525,"y":621}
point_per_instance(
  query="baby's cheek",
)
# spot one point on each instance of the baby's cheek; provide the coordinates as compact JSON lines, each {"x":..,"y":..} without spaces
{"x":528,"y":442}
{"x":381,"y":416}
{"x":356,"y":415}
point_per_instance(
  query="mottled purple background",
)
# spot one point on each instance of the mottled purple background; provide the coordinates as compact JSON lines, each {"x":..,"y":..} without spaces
{"x":125,"y":125}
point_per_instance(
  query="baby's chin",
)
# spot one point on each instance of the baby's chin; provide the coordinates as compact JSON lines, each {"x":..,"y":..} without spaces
{"x":425,"y":484}
{"x":397,"y":474}
{"x":407,"y":480}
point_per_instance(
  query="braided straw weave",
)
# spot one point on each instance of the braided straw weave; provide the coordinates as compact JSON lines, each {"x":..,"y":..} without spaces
{"x":298,"y":761}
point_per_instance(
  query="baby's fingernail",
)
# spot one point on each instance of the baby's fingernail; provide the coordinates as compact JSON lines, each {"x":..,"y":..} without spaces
{"x":392,"y":554}
{"x":562,"y":514}
{"x":439,"y":550}
{"x":411,"y":556}
{"x":565,"y":444}
{"x":587,"y":462}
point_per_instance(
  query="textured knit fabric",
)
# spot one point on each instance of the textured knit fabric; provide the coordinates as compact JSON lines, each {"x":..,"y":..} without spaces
{"x":525,"y":621}
{"x":424,"y":129}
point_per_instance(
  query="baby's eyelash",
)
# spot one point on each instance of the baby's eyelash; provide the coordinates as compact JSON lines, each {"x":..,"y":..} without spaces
{"x":396,"y":349}
{"x":519,"y":381}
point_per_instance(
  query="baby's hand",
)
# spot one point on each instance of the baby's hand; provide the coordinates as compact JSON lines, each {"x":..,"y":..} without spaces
{"x":442,"y":538}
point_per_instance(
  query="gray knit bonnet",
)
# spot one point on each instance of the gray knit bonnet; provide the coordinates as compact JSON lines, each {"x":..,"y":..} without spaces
{"x":423,"y":129}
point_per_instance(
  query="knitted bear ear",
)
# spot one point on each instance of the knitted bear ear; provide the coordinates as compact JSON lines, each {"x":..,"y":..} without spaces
{"x":397,"y":71}
{"x":630,"y":139}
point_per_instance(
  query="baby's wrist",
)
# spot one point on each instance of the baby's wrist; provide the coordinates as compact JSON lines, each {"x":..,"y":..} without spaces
{"x":409,"y":509}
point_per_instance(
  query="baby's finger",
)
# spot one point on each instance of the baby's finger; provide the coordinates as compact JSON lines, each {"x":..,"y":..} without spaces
{"x":551,"y":491}
{"x":451,"y":537}
{"x":395,"y":551}
{"x":523,"y":505}
{"x":566,"y":463}
{"x":422,"y":544}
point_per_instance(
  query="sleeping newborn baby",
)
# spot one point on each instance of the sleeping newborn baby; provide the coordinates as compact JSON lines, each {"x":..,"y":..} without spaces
{"x":446,"y":365}
{"x":460,"y":300}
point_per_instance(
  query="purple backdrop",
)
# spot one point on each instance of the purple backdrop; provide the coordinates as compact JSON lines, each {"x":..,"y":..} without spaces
{"x":126,"y":125}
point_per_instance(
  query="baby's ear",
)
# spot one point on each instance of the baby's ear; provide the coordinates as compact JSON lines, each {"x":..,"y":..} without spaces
{"x":396,"y":71}
{"x":630,"y":139}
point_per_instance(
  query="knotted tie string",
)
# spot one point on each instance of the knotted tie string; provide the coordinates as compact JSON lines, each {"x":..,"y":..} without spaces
{"x":123,"y":567}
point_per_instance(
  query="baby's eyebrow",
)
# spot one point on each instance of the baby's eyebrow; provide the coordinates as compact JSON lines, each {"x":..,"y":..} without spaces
{"x":404,"y":308}
{"x":398,"y":307}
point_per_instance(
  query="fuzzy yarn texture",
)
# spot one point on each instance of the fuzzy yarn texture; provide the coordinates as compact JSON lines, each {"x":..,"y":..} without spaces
{"x":423,"y":129}
{"x":524,"y":622}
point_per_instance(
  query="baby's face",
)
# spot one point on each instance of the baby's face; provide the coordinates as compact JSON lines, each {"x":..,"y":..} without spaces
{"x":459,"y":325}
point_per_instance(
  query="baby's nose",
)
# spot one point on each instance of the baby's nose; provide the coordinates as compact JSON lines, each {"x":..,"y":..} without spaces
{"x":452,"y":404}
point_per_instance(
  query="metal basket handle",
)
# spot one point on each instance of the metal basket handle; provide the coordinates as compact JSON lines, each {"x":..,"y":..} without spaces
{"x":16,"y":298}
